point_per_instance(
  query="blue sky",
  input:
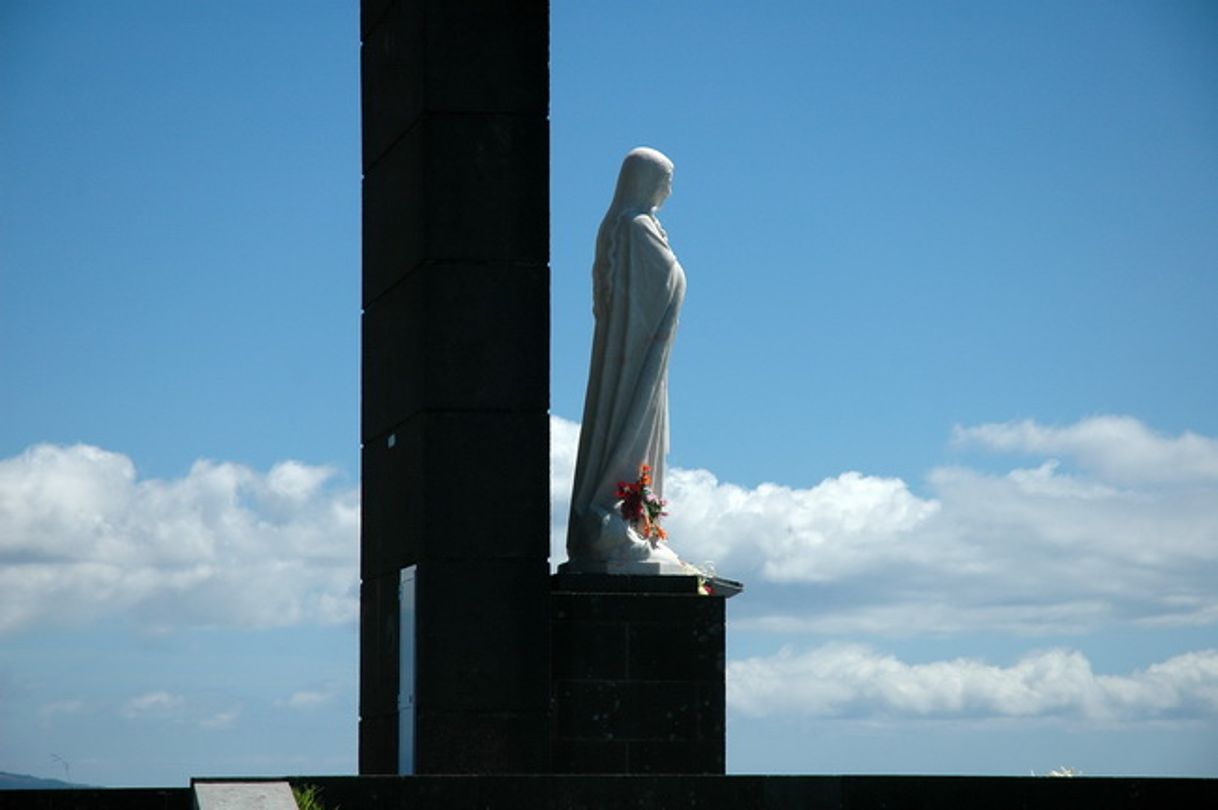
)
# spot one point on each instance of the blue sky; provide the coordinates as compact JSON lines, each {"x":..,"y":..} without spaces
{"x":945,"y":394}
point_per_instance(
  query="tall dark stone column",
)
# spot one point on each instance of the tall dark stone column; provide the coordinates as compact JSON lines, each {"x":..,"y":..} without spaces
{"x":455,"y":431}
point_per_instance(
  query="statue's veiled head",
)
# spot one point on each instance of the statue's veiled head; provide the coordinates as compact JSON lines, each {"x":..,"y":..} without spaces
{"x":644,"y":182}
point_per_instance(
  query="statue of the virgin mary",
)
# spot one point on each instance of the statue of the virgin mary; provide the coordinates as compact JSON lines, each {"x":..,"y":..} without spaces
{"x":638,"y":286}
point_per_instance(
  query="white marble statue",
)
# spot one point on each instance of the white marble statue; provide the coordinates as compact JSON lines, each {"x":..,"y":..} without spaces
{"x":638,"y":286}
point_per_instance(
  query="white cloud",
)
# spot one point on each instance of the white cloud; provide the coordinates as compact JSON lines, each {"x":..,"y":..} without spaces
{"x":296,"y":483}
{"x":81,"y":537}
{"x":1116,"y":448}
{"x":853,"y":679}
{"x":836,"y":529}
{"x":158,"y":704}
{"x":305,"y":699}
{"x":163,"y":706}
{"x":1034,"y":550}
{"x":61,"y":707}
{"x":220,"y":720}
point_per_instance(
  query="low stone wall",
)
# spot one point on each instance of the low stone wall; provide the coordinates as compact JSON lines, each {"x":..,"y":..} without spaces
{"x":99,"y":799}
{"x":574,"y":792}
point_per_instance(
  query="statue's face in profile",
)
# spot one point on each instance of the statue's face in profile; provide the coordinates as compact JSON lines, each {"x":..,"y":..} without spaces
{"x":665,"y":189}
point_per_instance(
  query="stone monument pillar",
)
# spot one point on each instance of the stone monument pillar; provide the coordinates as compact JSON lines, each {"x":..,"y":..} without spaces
{"x":638,"y":665}
{"x":455,"y":387}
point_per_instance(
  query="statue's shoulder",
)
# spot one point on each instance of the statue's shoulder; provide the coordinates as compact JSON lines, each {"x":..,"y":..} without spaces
{"x":646,"y":226}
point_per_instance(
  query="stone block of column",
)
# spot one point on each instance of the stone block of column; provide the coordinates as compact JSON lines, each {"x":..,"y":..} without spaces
{"x":463,"y":336}
{"x":457,"y":188}
{"x":494,"y":661}
{"x":450,"y":56}
{"x":378,"y":743}
{"x":378,"y":688}
{"x":456,"y":485}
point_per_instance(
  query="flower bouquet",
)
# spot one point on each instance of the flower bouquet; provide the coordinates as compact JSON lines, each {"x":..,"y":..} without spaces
{"x":641,"y":508}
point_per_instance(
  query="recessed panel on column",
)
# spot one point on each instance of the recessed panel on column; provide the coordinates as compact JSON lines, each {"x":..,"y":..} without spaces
{"x":406,"y":670}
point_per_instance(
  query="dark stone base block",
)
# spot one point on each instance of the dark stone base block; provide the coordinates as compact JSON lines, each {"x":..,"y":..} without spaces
{"x":704,"y":792}
{"x":637,"y":675}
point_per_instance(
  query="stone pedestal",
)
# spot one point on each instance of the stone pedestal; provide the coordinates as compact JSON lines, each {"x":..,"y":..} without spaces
{"x":637,"y":675}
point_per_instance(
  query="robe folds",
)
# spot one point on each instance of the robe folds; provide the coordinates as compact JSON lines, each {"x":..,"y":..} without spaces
{"x":638,"y":288}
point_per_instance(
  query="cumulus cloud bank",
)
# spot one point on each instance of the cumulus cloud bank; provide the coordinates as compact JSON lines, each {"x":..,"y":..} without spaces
{"x":1110,"y":524}
{"x":848,"y":679}
{"x":1113,"y":524}
{"x":81,"y":538}
{"x":1131,"y":538}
